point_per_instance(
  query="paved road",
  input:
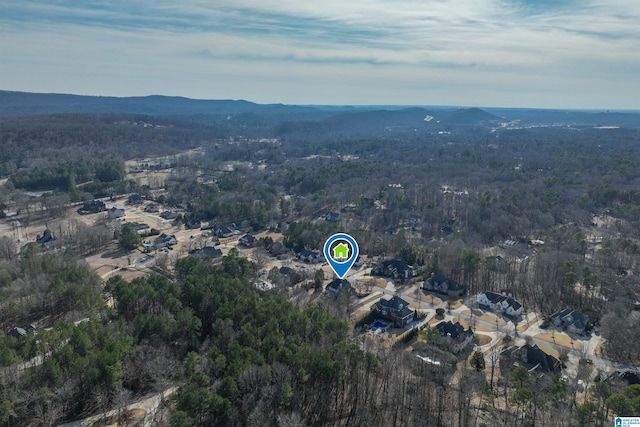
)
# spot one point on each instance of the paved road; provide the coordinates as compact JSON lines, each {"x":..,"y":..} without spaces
{"x":150,"y":405}
{"x":19,"y":230}
{"x":598,"y":361}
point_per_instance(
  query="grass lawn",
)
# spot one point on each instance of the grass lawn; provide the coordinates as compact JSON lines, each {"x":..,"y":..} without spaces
{"x":560,"y":339}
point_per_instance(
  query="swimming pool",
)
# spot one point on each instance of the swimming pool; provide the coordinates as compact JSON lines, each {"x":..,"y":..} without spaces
{"x":379,"y":325}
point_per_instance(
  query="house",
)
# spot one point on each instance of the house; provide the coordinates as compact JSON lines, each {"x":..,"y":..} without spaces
{"x":206,"y":252}
{"x":164,"y":240}
{"x":138,"y":227}
{"x":193,"y":224}
{"x":534,"y":359}
{"x":454,"y":337}
{"x":332,"y":216}
{"x":619,"y":380}
{"x":309,"y":256}
{"x":277,"y":248}
{"x":223,"y":232}
{"x":572,"y":321}
{"x":115,"y":213}
{"x":18,"y":332}
{"x":47,"y":238}
{"x":168,"y":215}
{"x":500,"y":303}
{"x":135,"y":199}
{"x":441,"y":284}
{"x":359,"y":262}
{"x":292,"y":276}
{"x":394,"y":268}
{"x":395,"y":309}
{"x":248,"y":240}
{"x":91,"y":207}
{"x":338,"y":285}
{"x":152,"y":208}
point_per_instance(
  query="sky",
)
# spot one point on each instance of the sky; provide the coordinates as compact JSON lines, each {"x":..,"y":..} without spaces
{"x":582,"y":54}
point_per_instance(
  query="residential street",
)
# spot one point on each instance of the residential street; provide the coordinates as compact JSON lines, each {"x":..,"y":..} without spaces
{"x":499,"y":329}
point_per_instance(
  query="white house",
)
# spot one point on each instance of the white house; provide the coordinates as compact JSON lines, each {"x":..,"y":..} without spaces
{"x":500,"y":303}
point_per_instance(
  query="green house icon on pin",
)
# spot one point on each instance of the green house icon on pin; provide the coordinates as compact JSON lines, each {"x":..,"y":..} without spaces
{"x":341,"y":251}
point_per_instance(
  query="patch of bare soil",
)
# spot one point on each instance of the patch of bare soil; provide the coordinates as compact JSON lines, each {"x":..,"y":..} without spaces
{"x":483,"y":339}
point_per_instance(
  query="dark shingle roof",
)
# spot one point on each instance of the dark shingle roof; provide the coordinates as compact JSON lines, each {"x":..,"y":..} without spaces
{"x":454,"y":330}
{"x":206,"y":252}
{"x":439,"y":278}
{"x":338,"y":284}
{"x":307,"y":253}
{"x":496,"y":298}
{"x":539,"y":359}
{"x":397,"y":304}
{"x":568,"y":316}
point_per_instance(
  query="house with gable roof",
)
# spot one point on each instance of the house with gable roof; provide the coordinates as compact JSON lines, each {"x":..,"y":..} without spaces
{"x":18,"y":332}
{"x":46,"y":239}
{"x":535,"y":359}
{"x":223,"y":232}
{"x":394,"y":268}
{"x":572,"y":321}
{"x":165,"y":240}
{"x":439,"y":283}
{"x":135,"y":199}
{"x":168,"y":215}
{"x":453,"y":336}
{"x":339,"y":285}
{"x":395,"y":309}
{"x":498,"y":303}
{"x":115,"y":213}
{"x":206,"y":252}
{"x":312,"y":257}
{"x":332,"y":216}
{"x":248,"y":240}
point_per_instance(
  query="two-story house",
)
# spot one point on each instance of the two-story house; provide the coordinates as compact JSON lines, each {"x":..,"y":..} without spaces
{"x":499,"y":303}
{"x":454,"y":337}
{"x":395,"y":309}
{"x":443,"y":285}
{"x":572,"y":321}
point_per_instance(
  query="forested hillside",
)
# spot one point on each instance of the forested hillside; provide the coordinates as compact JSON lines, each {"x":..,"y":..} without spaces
{"x":542,"y":206}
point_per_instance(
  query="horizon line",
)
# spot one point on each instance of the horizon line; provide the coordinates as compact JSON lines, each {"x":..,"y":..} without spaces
{"x":354,"y":106}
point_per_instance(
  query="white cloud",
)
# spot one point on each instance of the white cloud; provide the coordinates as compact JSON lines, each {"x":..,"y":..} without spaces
{"x":380,"y":51}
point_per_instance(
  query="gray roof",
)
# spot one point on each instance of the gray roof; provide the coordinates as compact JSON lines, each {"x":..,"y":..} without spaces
{"x":438,"y":279}
{"x":568,"y":316}
{"x":337,"y":285}
{"x":396,"y":304}
{"x":454,"y":330}
{"x":206,"y":252}
{"x":496,"y":298}
{"x":538,"y":359}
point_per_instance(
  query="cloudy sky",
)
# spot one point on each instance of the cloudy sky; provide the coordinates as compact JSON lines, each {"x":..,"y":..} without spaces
{"x":511,"y":53}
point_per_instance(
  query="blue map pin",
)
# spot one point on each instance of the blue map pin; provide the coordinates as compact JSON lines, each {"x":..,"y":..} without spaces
{"x":341,"y":252}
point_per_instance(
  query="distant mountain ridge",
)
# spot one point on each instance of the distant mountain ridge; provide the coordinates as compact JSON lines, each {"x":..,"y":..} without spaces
{"x":285,"y":118}
{"x":26,"y":103}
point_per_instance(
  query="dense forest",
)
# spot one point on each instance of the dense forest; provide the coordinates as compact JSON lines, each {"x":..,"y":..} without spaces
{"x":543,"y":205}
